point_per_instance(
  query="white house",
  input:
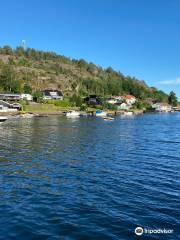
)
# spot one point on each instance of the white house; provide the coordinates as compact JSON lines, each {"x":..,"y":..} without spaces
{"x":7,"y":107}
{"x":162,"y":107}
{"x":52,"y":94}
{"x":123,"y":106}
{"x":10,"y":97}
{"x":114,"y":100}
{"x":27,"y":97}
{"x":129,"y":99}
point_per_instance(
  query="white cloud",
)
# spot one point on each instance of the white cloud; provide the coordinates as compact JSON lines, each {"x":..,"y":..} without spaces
{"x":171,"y":82}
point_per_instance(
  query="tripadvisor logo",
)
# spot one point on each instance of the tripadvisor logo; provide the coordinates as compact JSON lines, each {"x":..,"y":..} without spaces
{"x":139,"y":231}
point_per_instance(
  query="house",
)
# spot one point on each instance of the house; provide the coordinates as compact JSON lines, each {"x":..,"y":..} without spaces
{"x":114,"y":100}
{"x":10,"y":97}
{"x":93,"y":100}
{"x":17,"y":106}
{"x":8,"y":107}
{"x":176,"y":109}
{"x":162,"y":107}
{"x":4,"y":106}
{"x":52,"y":94}
{"x":27,"y":97}
{"x":129,"y":99}
{"x":111,"y":101}
{"x":123,"y":106}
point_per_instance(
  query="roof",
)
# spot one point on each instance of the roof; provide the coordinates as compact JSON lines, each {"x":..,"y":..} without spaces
{"x":128,"y":97}
{"x":9,"y":104}
{"x":48,"y":91}
{"x":116,"y":97}
{"x":5,"y":103}
{"x":26,"y":94}
{"x":9,"y":94}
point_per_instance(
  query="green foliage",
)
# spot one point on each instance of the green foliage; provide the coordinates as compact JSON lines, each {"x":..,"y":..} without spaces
{"x":38,"y":96}
{"x":7,"y":77}
{"x":19,"y":51}
{"x":43,"y":69}
{"x":173,"y":99}
{"x":16,"y":87}
{"x":23,"y":62}
{"x":27,"y":89}
{"x":11,"y":61}
{"x":83,"y":107}
{"x":6,"y":50}
{"x":160,"y":96}
{"x":82,"y":63}
{"x":1,"y":63}
{"x":109,"y":106}
{"x":76,"y":100}
{"x":8,"y":81}
{"x":92,"y":69}
{"x":140,"y":104}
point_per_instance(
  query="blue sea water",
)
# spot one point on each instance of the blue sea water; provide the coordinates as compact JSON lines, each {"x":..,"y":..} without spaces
{"x":89,"y":179}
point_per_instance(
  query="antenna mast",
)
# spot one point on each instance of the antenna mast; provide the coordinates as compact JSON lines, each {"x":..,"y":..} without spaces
{"x":24,"y":44}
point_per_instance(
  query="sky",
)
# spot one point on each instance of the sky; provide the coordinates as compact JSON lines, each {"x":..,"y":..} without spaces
{"x":136,"y":37}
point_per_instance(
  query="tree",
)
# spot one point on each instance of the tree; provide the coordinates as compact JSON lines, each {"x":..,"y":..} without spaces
{"x":16,"y":86}
{"x":20,"y":51}
{"x":27,"y":89}
{"x":38,"y":96}
{"x":7,"y":50}
{"x":109,"y":70}
{"x":7,"y":77}
{"x":92,"y":68}
{"x":82,"y":63}
{"x":76,"y":100}
{"x":172,"y":99}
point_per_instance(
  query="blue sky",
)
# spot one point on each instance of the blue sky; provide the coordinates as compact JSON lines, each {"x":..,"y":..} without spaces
{"x":137,"y":37}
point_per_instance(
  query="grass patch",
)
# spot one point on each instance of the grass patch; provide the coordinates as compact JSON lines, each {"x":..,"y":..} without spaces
{"x":46,"y":108}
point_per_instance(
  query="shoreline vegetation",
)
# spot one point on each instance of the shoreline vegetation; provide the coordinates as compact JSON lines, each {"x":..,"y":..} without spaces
{"x":40,"y":109}
{"x":47,"y":111}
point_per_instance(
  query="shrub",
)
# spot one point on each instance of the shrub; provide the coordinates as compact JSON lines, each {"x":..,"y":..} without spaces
{"x":83,"y":107}
{"x":109,"y":106}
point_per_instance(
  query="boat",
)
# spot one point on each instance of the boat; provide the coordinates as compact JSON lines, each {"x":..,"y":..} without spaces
{"x":27,"y":115}
{"x":108,"y":118}
{"x":3,"y":119}
{"x":73,"y":114}
{"x":100,"y":113}
{"x":128,"y":113}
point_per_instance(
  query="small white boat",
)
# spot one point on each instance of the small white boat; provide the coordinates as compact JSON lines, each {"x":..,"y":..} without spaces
{"x":27,"y":115}
{"x":3,"y":119}
{"x":100,"y":113}
{"x":73,"y":114}
{"x":108,"y":118}
{"x":83,"y":114}
{"x":128,"y":113}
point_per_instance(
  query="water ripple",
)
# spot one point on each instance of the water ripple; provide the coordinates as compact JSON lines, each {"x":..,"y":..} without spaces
{"x":89,"y":179}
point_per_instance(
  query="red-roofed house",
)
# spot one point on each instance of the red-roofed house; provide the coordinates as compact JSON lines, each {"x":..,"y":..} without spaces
{"x":129,"y":99}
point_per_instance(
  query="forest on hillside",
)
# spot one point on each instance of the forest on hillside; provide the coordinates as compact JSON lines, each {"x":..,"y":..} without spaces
{"x":30,"y":70}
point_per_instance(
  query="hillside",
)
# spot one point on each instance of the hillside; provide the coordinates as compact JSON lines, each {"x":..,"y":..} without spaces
{"x":41,"y":70}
